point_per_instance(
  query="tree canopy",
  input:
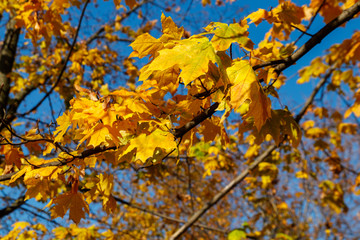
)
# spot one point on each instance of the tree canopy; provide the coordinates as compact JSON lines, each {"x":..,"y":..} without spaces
{"x":145,"y":119}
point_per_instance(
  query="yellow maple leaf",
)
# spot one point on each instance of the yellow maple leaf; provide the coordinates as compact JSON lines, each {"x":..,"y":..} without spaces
{"x":105,"y":187}
{"x":20,"y":173}
{"x":63,"y":123}
{"x":156,"y":139}
{"x":301,"y":175}
{"x":97,"y":135}
{"x":169,"y":29}
{"x":258,"y":16}
{"x":192,"y":56}
{"x":20,"y":225}
{"x":33,"y":176}
{"x":246,"y":86}
{"x":144,"y":45}
{"x":316,"y":68}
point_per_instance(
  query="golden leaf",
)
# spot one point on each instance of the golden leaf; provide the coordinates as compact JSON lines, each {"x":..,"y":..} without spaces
{"x":192,"y":56}
{"x":246,"y":86}
{"x":225,"y":34}
{"x":156,"y":139}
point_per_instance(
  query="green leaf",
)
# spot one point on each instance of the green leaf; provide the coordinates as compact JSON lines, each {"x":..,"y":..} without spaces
{"x":237,"y":234}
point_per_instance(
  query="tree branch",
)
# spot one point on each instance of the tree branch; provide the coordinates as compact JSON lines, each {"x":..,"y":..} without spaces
{"x":180,"y":132}
{"x":160,"y":215}
{"x":15,"y":205}
{"x":243,"y":174}
{"x":345,"y":16}
{"x":84,"y":154}
{"x":282,"y":64}
{"x":7,"y":58}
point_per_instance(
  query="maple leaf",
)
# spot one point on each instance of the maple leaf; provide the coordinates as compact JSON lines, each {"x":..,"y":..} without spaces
{"x":97,"y":135}
{"x":20,"y":173}
{"x":59,"y":5}
{"x":156,"y":139}
{"x":211,"y":129}
{"x":131,"y":3}
{"x":328,"y":10}
{"x":280,"y":124}
{"x":355,"y":108}
{"x":36,"y":175}
{"x":225,"y":34}
{"x":105,"y":187}
{"x":245,"y":86}
{"x":192,"y":56}
{"x":144,"y":45}
{"x":169,"y":29}
{"x":74,"y":202}
{"x":258,"y":16}
{"x":12,"y":156}
{"x":63,"y":123}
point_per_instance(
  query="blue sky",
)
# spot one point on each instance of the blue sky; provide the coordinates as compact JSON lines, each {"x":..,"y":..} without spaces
{"x":198,"y":17}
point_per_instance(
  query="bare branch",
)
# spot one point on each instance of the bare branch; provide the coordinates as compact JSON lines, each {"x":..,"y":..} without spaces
{"x":146,"y":210}
{"x":15,"y":205}
{"x":311,"y":21}
{"x":312,"y":96}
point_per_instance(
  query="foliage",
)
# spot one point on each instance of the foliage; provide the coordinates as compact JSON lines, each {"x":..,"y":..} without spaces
{"x":195,"y":141}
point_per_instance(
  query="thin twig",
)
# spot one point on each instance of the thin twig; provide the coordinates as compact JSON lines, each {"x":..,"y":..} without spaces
{"x":312,"y":96}
{"x":311,"y":22}
{"x":304,"y":32}
{"x":146,"y":210}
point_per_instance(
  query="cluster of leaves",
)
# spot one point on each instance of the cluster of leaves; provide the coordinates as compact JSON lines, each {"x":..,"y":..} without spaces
{"x":195,"y":118}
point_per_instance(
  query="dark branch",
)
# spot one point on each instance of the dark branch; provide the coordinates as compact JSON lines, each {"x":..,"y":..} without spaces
{"x":7,"y":58}
{"x":180,"y":132}
{"x":345,"y":16}
{"x":160,"y":215}
{"x":84,"y":154}
{"x":15,"y":205}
